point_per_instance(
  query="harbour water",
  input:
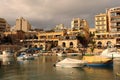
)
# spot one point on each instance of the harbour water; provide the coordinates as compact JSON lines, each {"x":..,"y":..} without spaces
{"x":42,"y":69}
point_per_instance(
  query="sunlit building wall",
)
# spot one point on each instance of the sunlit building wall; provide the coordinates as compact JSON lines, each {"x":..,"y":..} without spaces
{"x":101,"y":23}
{"x":107,"y":27}
{"x":4,"y":26}
{"x":22,"y":24}
{"x":81,"y":26}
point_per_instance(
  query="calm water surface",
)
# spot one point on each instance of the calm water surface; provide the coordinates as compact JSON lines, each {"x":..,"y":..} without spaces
{"x":42,"y":69}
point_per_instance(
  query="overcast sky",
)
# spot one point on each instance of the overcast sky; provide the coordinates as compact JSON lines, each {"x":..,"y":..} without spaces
{"x":48,"y":13}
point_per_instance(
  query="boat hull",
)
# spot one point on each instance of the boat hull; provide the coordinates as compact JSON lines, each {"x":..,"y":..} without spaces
{"x":98,"y":61}
{"x":71,"y":63}
{"x":62,"y":55}
{"x":110,"y":64}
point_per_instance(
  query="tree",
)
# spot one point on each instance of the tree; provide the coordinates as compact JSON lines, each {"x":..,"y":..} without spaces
{"x":84,"y":42}
{"x":92,"y":42}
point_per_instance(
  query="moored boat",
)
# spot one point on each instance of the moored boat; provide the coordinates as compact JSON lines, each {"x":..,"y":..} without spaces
{"x":98,"y":61}
{"x":25,"y":56}
{"x":68,"y":62}
{"x":62,"y":54}
{"x":111,"y":53}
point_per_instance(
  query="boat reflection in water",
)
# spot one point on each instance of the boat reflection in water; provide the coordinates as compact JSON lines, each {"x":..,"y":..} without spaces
{"x":7,"y":61}
{"x":116,"y":68}
{"x":103,"y":73}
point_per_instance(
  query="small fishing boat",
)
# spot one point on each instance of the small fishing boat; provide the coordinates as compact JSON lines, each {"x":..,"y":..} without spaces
{"x":74,"y":54}
{"x":68,"y":62}
{"x":25,"y":56}
{"x":36,"y":54}
{"x":98,"y":61}
{"x":62,"y":54}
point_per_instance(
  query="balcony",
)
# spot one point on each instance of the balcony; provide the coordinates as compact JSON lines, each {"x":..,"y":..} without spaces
{"x":118,"y":26}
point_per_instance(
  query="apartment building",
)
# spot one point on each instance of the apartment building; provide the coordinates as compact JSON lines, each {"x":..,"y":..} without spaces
{"x":4,"y":26}
{"x":22,"y":24}
{"x":101,"y":23}
{"x":108,"y":27}
{"x":81,"y":26}
{"x":78,"y":26}
{"x":114,"y":23}
{"x":114,"y":19}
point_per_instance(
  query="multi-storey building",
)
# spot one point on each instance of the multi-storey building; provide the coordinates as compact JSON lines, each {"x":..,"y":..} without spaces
{"x":101,"y":23}
{"x":22,"y":24}
{"x":81,"y":26}
{"x":109,"y":33}
{"x":77,"y":27}
{"x":114,"y":19}
{"x":4,"y":26}
{"x":114,"y":23}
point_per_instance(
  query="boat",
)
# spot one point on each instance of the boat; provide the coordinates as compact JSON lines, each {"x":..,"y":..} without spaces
{"x":98,"y":61}
{"x":68,"y":62}
{"x":62,"y":54}
{"x":36,"y":54}
{"x":25,"y":56}
{"x":74,"y":54}
{"x":111,"y":53}
{"x":6,"y":53}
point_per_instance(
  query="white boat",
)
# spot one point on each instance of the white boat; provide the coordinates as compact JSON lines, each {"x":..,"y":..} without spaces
{"x":36,"y":54}
{"x":6,"y":53}
{"x":74,"y":54}
{"x":62,"y":54}
{"x":111,"y":53}
{"x":68,"y":62}
{"x":25,"y":56}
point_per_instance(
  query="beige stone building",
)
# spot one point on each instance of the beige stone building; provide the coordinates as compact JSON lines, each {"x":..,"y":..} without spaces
{"x":101,"y":23}
{"x":4,"y":26}
{"x":61,"y":36}
{"x":108,"y":27}
{"x":22,"y":24}
{"x":92,"y":30}
{"x":16,"y":36}
{"x":78,"y":26}
{"x":81,"y":26}
{"x":50,"y":36}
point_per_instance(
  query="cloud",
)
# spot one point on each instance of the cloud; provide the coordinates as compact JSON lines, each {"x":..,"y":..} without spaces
{"x":48,"y":13}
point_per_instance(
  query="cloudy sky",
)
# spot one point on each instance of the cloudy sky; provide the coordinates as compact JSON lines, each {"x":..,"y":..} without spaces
{"x":48,"y":13}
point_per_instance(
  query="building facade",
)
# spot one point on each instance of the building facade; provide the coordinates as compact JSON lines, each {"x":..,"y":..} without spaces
{"x":101,"y":23}
{"x":4,"y":26}
{"x":22,"y":24}
{"x":81,"y":26}
{"x":109,"y":32}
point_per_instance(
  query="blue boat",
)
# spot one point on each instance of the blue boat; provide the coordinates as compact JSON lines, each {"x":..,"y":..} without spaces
{"x":98,"y":61}
{"x":109,"y":64}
